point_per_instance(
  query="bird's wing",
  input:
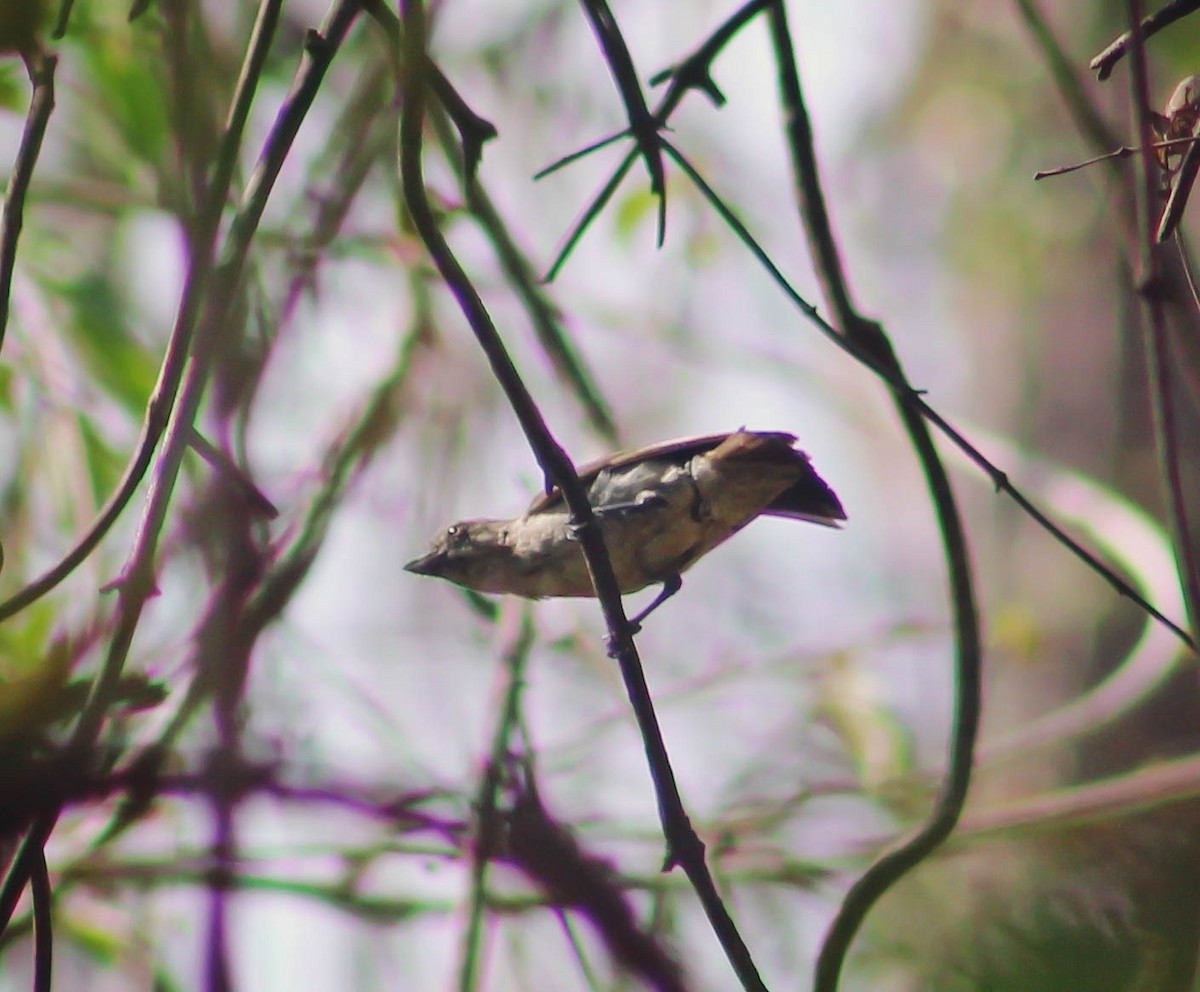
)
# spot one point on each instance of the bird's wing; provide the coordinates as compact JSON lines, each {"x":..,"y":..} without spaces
{"x":680,"y":449}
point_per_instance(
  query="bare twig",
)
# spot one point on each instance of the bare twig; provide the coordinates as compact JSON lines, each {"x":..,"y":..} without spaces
{"x":1105,"y":62}
{"x":473,"y":131}
{"x":223,"y":465}
{"x":1181,"y":188}
{"x":684,"y":847}
{"x":694,"y":72}
{"x":543,"y":313}
{"x":868,"y":337}
{"x":64,"y":16}
{"x":642,"y":124}
{"x":43,"y":924}
{"x":580,"y":153}
{"x":1150,"y":293}
{"x":162,"y":399}
{"x":1124,"y":152}
{"x":41,"y":105}
{"x":486,"y":839}
{"x":136,"y":583}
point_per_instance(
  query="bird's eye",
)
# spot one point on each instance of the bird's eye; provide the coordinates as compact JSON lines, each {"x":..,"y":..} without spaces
{"x":452,"y":530}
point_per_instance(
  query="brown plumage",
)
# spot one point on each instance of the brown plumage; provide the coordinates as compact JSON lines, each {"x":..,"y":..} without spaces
{"x":661,"y":508}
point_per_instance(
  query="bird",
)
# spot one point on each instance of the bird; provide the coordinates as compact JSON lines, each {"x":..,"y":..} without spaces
{"x":660,"y":508}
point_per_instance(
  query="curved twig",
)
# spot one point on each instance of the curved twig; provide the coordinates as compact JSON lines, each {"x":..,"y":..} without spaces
{"x":136,"y":582}
{"x":869,"y":337}
{"x":162,"y":399}
{"x":997,"y":476}
{"x":41,"y":105}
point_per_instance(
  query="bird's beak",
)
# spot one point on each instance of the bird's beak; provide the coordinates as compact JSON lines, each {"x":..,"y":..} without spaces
{"x":430,"y":564}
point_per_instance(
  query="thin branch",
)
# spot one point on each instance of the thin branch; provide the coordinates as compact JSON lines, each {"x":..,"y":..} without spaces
{"x":136,"y":583}
{"x":684,"y":847}
{"x":12,"y":215}
{"x":43,"y":924}
{"x":1104,"y":63}
{"x":162,"y":399}
{"x":869,"y":337}
{"x":224,"y":466}
{"x":1181,"y":188}
{"x":642,"y":124}
{"x":580,"y":153}
{"x":542,"y":311}
{"x":473,"y":131}
{"x":997,"y":476}
{"x":571,"y":877}
{"x":64,"y":17}
{"x":1001,"y":481}
{"x":218,"y":970}
{"x":1150,"y":293}
{"x":593,"y":210}
{"x":1143,"y":790}
{"x":344,"y":461}
{"x":1124,"y":152}
{"x":694,"y":72}
{"x":1067,"y":78}
{"x":487,"y":829}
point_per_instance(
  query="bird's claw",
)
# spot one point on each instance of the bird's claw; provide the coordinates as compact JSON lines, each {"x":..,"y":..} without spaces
{"x":612,"y":644}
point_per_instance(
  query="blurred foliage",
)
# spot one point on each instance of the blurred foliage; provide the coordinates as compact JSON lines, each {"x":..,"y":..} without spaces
{"x":801,"y":684}
{"x":22,"y":22}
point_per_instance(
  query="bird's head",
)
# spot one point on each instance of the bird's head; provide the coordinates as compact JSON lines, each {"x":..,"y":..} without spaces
{"x":471,"y":553}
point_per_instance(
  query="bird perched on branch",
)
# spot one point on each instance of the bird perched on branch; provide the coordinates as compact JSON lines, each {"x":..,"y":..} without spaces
{"x":660,"y":508}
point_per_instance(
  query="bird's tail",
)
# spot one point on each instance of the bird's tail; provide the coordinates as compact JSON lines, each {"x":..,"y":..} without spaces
{"x":808,"y":498}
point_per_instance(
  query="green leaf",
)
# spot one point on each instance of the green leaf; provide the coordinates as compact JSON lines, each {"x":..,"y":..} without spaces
{"x":21,"y":24}
{"x":94,"y":939}
{"x":23,"y":639}
{"x":131,"y":123}
{"x":105,"y":466}
{"x":13,"y":91}
{"x":117,"y":362}
{"x":634,"y":210}
{"x":6,"y":378}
